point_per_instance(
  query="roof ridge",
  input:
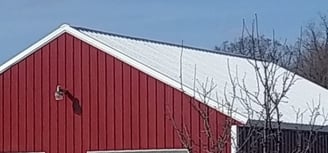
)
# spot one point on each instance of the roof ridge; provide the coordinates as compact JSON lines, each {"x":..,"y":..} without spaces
{"x":158,"y":42}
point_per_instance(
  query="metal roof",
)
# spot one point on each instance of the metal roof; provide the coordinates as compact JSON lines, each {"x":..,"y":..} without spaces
{"x":157,"y":42}
{"x":288,"y":126}
{"x":166,"y":61}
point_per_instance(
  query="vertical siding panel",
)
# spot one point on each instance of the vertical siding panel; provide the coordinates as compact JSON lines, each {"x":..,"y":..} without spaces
{"x":135,"y":109}
{"x":213,"y":129}
{"x":160,"y":114}
{"x":14,"y":108}
{"x":61,"y":104}
{"x":85,"y":97}
{"x":186,"y":113}
{"x":110,"y":102}
{"x":102,"y":100}
{"x":195,"y":129}
{"x":1,"y":112}
{"x":22,"y":105}
{"x":77,"y":71}
{"x":220,"y":121}
{"x":221,"y":118}
{"x":118,"y":104}
{"x":151,"y":112}
{"x":69,"y":60}
{"x":53,"y":104}
{"x":169,"y":132}
{"x":45,"y":98}
{"x":38,"y":100}
{"x":177,"y":116}
{"x":30,"y":103}
{"x":7,"y":114}
{"x":203,"y":136}
{"x":143,"y":111}
{"x":94,"y":98}
{"x":127,"y":106}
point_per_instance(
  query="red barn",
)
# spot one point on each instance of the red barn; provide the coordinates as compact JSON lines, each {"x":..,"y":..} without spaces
{"x":117,"y":95}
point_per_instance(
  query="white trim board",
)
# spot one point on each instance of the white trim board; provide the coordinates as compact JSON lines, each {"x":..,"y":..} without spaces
{"x":233,"y":138}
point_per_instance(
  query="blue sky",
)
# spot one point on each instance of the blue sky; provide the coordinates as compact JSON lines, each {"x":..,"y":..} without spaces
{"x":201,"y":24}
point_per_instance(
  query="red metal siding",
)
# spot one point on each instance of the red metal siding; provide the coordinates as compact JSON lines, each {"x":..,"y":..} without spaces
{"x":160,"y":109}
{"x":94,"y":98}
{"x":69,"y":115}
{"x":151,"y":94}
{"x":7,"y":109}
{"x":53,"y":121}
{"x":143,"y":112}
{"x":110,"y":102}
{"x":102,"y":101}
{"x":169,"y":132}
{"x":45,"y":96}
{"x":118,"y":103}
{"x":122,"y":107}
{"x":1,"y":113}
{"x":126,"y":107}
{"x":37,"y":100}
{"x":14,"y":107}
{"x":135,"y":112}
{"x":77,"y":90}
{"x":85,"y":97}
{"x":61,"y":108}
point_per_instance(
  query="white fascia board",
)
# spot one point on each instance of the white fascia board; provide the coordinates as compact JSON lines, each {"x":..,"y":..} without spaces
{"x":146,"y":69}
{"x":233,"y":137}
{"x":143,"y":150}
{"x":30,"y":50}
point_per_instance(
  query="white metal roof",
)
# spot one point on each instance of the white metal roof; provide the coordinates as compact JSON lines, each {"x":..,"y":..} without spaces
{"x":162,"y":61}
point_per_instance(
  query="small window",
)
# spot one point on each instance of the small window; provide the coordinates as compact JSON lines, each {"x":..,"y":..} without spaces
{"x":144,"y":151}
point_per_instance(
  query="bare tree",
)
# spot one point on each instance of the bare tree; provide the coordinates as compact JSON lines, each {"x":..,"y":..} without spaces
{"x":312,"y":49}
{"x":272,"y":87}
{"x":205,"y":94}
{"x":262,"y":104}
{"x":216,"y":144}
{"x":263,"y":50}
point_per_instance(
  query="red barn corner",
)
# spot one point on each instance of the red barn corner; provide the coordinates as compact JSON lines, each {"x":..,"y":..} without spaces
{"x":122,"y":106}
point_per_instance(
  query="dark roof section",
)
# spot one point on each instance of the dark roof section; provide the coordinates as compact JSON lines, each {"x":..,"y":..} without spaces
{"x":159,"y":42}
{"x":288,"y":126}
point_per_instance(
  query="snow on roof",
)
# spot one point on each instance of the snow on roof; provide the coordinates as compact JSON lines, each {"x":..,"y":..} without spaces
{"x":166,"y":62}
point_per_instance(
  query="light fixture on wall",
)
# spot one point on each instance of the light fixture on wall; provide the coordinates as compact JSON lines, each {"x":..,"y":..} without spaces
{"x":60,"y":93}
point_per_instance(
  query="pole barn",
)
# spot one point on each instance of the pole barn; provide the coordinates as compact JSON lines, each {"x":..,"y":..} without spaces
{"x":110,"y":101}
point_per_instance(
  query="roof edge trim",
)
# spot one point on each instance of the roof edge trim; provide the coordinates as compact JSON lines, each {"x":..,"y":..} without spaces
{"x":33,"y":48}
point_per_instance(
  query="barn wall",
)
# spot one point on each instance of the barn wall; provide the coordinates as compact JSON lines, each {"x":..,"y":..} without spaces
{"x":122,"y":107}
